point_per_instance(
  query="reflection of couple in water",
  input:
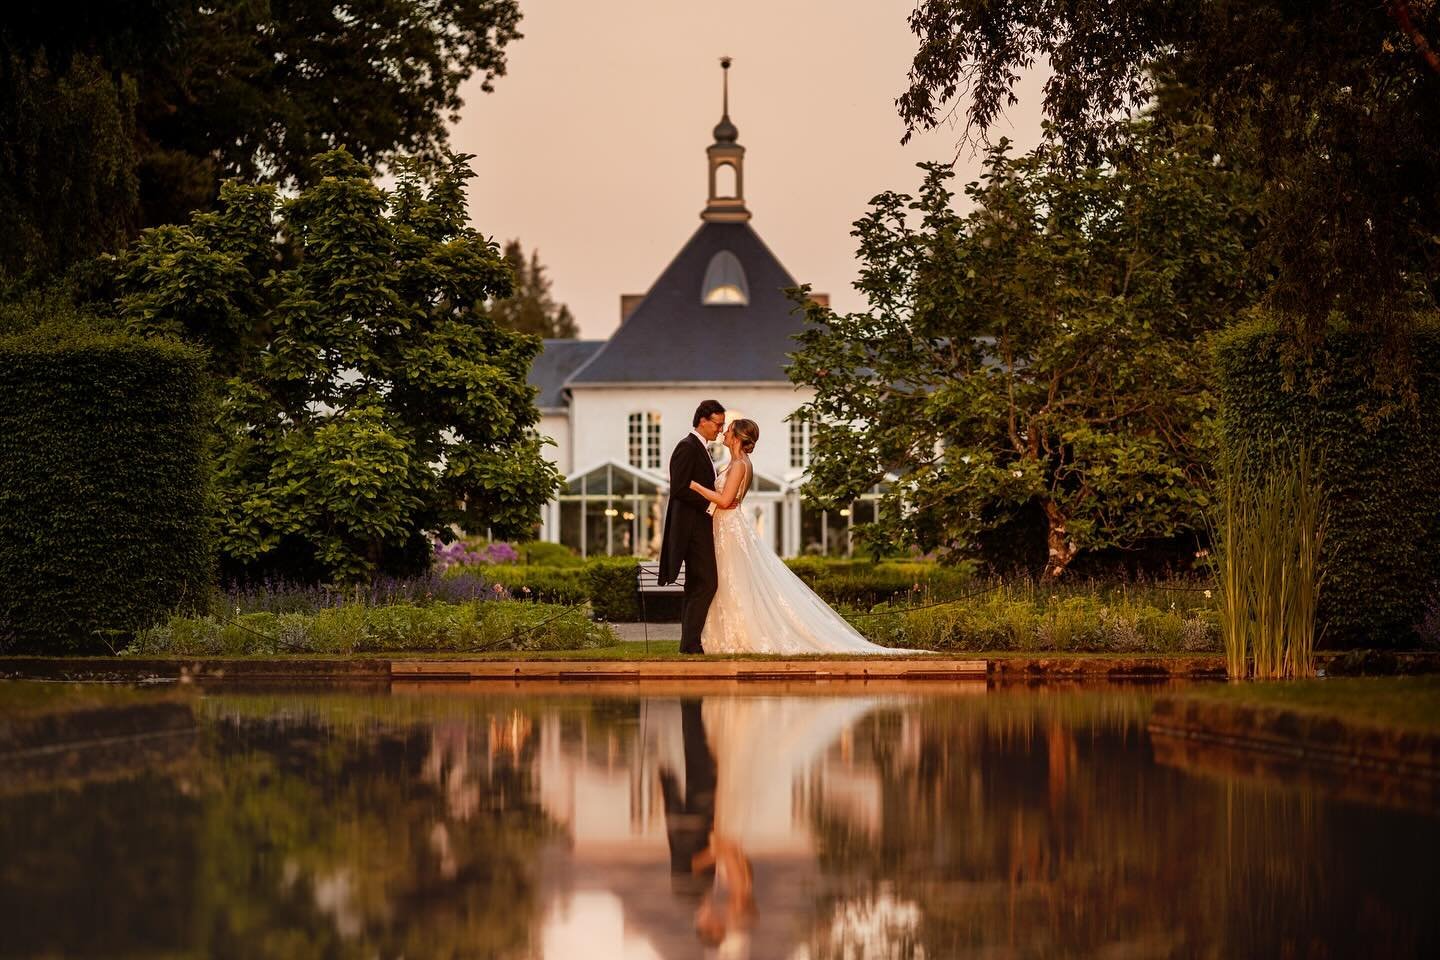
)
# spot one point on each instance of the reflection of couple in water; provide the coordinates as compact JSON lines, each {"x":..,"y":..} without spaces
{"x":701,"y":861}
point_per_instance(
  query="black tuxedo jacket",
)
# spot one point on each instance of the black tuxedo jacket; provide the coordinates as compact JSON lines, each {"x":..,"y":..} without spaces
{"x":685,"y":515}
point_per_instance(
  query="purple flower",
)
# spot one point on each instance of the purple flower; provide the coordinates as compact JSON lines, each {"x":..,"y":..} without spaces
{"x":501,"y":553}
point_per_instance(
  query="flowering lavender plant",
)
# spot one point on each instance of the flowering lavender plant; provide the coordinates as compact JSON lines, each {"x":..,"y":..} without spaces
{"x":459,"y":554}
{"x":281,"y":596}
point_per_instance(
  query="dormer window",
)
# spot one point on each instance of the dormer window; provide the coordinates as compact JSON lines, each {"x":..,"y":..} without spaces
{"x":725,"y":284}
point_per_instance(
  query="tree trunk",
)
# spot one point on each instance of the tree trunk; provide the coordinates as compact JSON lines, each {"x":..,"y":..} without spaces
{"x":1061,"y":550}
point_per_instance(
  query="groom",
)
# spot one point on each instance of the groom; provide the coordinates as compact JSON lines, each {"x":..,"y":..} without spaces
{"x":688,"y":537}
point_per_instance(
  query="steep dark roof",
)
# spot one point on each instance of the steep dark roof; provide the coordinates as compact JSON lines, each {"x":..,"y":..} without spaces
{"x":553,"y":367}
{"x":672,"y":336}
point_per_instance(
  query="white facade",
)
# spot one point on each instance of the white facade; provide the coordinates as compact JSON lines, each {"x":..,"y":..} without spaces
{"x":595,"y":431}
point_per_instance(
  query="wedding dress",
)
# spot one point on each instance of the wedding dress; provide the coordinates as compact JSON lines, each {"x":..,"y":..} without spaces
{"x":762,"y":606}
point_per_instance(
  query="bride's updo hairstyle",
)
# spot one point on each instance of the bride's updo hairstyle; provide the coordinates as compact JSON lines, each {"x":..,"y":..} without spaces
{"x":748,"y":431}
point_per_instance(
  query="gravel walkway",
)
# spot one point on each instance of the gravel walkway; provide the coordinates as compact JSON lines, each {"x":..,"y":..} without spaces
{"x":635,"y":632}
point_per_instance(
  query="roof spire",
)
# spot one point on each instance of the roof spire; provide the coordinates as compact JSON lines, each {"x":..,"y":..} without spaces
{"x":727,"y":158}
{"x":725,"y":131}
{"x":725,"y":85}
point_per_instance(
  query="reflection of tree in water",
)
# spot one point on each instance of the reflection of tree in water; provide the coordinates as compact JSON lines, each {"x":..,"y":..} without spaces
{"x":293,"y":838}
{"x":415,"y":841}
{"x":1038,"y":825}
{"x":103,"y":869}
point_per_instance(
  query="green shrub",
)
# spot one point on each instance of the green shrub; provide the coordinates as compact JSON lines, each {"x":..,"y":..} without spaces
{"x":402,"y":627}
{"x":1380,"y":475}
{"x":613,"y":592}
{"x":539,"y":553}
{"x":103,"y":521}
{"x":563,"y":585}
{"x":861,"y":583}
{"x":1003,"y":620}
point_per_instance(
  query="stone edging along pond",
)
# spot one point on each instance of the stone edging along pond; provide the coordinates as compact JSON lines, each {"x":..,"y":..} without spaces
{"x":1345,"y":758}
{"x":1316,"y":738}
{"x":381,"y":669}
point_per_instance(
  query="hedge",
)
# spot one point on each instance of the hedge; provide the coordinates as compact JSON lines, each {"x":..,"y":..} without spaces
{"x":563,"y":585}
{"x":614,"y":593}
{"x":862,"y":583}
{"x":1379,"y":559}
{"x":103,"y":520}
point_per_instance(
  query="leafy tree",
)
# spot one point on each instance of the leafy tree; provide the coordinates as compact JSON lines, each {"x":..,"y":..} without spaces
{"x":1044,"y":349}
{"x":68,"y":188}
{"x":368,"y":400}
{"x":531,"y":308}
{"x":258,"y":89}
{"x":1336,"y":104}
{"x":116,"y":116}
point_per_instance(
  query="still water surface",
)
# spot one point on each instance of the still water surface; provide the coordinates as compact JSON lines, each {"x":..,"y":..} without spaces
{"x":1005,"y":823}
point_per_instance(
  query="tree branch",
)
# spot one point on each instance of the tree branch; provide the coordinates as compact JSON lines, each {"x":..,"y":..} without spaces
{"x":1400,"y":13}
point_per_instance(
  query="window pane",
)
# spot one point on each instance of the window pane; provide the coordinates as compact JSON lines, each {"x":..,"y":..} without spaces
{"x":837,"y":532}
{"x":570,"y":523}
{"x":636,"y":439}
{"x":652,"y":440}
{"x":811,"y":522}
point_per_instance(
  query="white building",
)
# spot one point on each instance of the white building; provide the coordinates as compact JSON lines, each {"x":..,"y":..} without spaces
{"x":715,"y":324}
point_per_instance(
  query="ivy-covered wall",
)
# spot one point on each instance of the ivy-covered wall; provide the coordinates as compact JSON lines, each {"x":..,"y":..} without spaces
{"x":1381,"y":557}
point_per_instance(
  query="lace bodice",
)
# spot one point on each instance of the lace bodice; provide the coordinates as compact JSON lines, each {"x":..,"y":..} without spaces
{"x":724,"y":474}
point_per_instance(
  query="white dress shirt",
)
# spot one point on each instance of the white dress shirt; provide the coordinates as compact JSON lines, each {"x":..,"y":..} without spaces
{"x":705,"y":444}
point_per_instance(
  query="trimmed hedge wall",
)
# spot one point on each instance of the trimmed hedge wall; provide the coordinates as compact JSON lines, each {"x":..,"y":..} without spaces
{"x":1380,"y":556}
{"x":103,"y":522}
{"x":614,"y":593}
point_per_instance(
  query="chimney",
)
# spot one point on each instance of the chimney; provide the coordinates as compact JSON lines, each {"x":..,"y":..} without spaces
{"x":820,"y":299}
{"x":628,"y":303}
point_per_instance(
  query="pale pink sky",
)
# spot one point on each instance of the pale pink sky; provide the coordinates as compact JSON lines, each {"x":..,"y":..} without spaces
{"x":592,"y":148}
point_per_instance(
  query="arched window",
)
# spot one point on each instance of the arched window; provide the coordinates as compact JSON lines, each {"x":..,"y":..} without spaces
{"x":726,"y":185}
{"x":645,"y":440}
{"x":725,"y":281}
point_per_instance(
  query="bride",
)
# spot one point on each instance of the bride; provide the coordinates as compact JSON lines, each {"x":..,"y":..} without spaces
{"x":761,"y":606}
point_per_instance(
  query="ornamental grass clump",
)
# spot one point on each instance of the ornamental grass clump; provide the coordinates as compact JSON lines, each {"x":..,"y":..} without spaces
{"x":283,"y":596}
{"x":1269,"y":543}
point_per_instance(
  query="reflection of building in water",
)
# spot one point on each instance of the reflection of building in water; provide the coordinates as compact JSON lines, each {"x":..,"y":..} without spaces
{"x":779,"y":771}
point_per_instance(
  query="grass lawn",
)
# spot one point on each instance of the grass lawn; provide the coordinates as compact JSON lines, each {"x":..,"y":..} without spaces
{"x":1409,"y":703}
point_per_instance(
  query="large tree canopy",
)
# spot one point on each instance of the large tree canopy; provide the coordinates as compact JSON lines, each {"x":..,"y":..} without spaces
{"x":1046,"y":349}
{"x":251,"y":89}
{"x":371,"y":401}
{"x":1336,"y":104}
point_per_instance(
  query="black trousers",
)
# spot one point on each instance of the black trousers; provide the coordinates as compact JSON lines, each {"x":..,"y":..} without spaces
{"x":689,"y":817}
{"x":701,"y":582}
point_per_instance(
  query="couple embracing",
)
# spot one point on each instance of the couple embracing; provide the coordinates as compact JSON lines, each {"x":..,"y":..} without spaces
{"x":739,"y":595}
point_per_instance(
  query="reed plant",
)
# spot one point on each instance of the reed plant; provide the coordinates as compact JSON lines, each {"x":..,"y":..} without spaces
{"x":1268,"y":563}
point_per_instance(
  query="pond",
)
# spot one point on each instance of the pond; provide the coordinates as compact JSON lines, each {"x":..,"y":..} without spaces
{"x":862,"y":822}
